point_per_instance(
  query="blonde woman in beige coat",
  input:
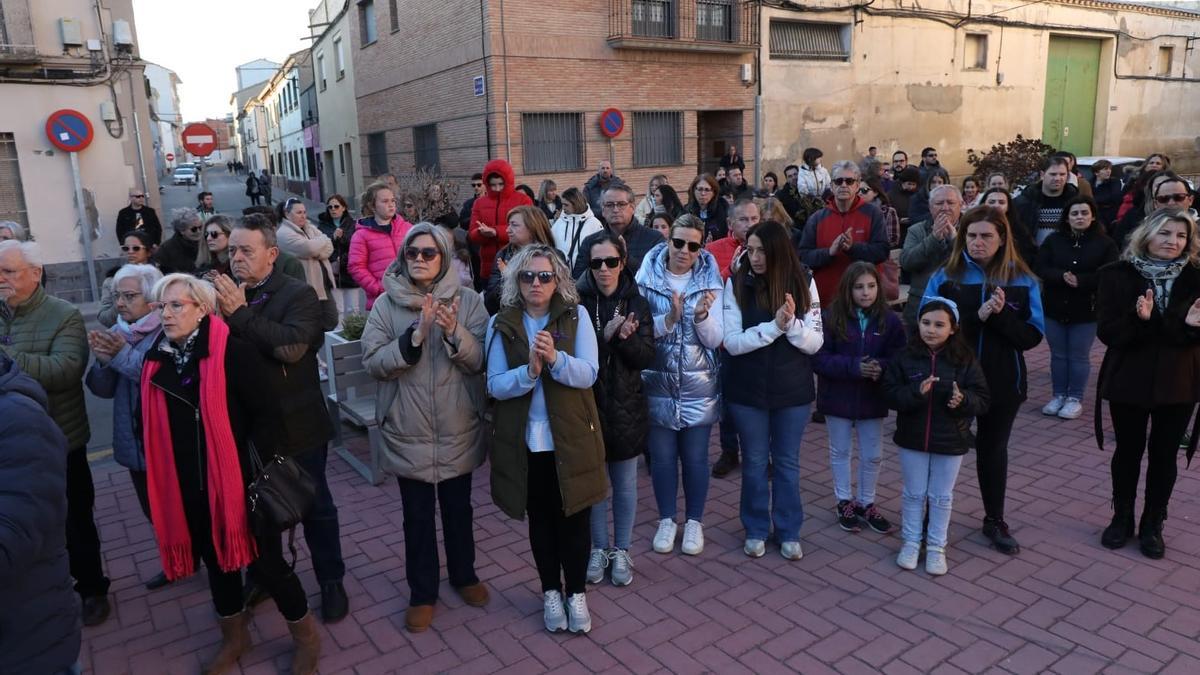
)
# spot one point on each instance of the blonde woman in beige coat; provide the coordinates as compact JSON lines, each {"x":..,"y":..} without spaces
{"x":304,"y":241}
{"x":424,"y":341}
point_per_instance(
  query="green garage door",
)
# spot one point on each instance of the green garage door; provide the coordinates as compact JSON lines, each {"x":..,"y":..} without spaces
{"x":1069,"y":117}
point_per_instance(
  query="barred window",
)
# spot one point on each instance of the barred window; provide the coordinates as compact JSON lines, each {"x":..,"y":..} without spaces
{"x":377,"y":162}
{"x":809,"y":40}
{"x":654,"y":18}
{"x":552,"y":141}
{"x":657,"y":138}
{"x":714,"y":20}
{"x":12,"y":193}
{"x":425,"y":147}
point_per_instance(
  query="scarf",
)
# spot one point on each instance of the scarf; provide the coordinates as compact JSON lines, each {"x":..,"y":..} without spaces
{"x":232,"y":540}
{"x":139,"y":330}
{"x":1162,"y":274}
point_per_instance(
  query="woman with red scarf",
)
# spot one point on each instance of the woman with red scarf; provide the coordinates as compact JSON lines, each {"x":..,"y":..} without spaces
{"x":198,"y":425}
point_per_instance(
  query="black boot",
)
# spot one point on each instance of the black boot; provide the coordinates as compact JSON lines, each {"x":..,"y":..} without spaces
{"x":996,"y":530}
{"x":1120,"y":530}
{"x":1150,"y":532}
{"x":728,"y":461}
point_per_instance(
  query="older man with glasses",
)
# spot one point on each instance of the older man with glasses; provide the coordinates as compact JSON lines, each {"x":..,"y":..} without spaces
{"x":618,"y":208}
{"x":138,"y":216}
{"x":179,"y":253}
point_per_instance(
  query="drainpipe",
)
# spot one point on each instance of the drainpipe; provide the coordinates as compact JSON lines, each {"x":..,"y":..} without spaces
{"x":504,"y":61}
{"x":137,"y":134}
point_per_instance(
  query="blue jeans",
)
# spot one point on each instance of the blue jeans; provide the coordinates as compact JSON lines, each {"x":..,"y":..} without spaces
{"x":870,"y":455}
{"x":669,"y":449}
{"x":774,"y":434}
{"x":321,"y":530}
{"x":927,"y":477}
{"x":1070,"y":348}
{"x":623,"y":476}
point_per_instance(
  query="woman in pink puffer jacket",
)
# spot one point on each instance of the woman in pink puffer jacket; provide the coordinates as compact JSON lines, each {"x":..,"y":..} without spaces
{"x":378,"y":236}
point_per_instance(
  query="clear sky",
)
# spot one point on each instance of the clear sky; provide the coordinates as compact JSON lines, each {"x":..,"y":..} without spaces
{"x":204,"y":41}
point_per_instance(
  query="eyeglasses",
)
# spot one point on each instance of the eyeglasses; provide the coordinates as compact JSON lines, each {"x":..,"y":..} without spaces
{"x":195,"y":229}
{"x":216,"y":234}
{"x":133,"y":249}
{"x":692,"y":246}
{"x":527,"y":277}
{"x":610,"y":206}
{"x":334,"y":205}
{"x":127,"y":296}
{"x":611,"y":263}
{"x":845,"y":181}
{"x":1167,"y":199}
{"x":175,"y":306}
{"x":428,"y":253}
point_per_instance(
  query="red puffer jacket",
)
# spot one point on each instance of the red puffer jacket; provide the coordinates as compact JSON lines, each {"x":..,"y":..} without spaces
{"x":492,"y":210}
{"x":372,"y":249}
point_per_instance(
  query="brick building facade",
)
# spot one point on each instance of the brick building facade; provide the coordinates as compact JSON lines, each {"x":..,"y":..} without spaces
{"x":681,"y":71}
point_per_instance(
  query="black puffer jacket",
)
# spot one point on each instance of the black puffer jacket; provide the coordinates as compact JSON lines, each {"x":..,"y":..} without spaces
{"x":923,"y":422}
{"x":341,"y":246}
{"x":618,"y":389}
{"x":1082,"y":255}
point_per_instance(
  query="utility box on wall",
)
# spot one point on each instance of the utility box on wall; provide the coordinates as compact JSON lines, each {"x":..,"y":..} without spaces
{"x":70,"y":31}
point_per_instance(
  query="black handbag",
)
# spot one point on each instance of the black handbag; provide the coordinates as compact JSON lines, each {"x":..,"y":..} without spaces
{"x":280,"y":496}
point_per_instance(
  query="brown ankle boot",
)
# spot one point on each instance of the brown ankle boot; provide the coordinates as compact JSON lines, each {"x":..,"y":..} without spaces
{"x":308,"y":645}
{"x":235,"y":641}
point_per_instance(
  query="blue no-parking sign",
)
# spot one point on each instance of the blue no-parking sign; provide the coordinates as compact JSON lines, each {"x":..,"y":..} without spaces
{"x":69,"y":130}
{"x":612,"y":123}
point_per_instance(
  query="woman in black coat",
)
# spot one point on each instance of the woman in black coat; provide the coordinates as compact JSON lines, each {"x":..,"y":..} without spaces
{"x":704,"y":202}
{"x":1068,"y":263}
{"x":625,"y":334}
{"x":337,"y":224}
{"x":1148,"y":314}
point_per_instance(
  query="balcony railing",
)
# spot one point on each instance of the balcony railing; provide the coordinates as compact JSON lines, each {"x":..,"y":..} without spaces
{"x":729,"y":26}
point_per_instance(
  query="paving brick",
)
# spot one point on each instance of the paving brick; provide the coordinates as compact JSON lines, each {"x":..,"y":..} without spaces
{"x":1030,"y":658}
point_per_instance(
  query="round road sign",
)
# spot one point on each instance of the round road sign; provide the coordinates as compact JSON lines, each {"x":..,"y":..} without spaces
{"x":199,"y":139}
{"x":170,"y":157}
{"x":612,"y":123}
{"x":68,"y":130}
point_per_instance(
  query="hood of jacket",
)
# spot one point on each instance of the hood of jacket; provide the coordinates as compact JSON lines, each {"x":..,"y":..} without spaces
{"x":500,"y":167}
{"x":405,"y":294}
{"x":855,"y":205}
{"x":13,"y":380}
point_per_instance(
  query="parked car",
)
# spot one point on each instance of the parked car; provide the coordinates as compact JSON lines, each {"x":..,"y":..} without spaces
{"x":183,"y":176}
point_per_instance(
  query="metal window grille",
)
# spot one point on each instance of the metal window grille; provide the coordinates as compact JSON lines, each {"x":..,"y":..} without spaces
{"x":12,"y":193}
{"x":552,"y":141}
{"x":377,"y":161}
{"x":657,"y":138}
{"x":808,"y":40}
{"x":654,"y":18}
{"x":425,"y":147}
{"x":714,"y":20}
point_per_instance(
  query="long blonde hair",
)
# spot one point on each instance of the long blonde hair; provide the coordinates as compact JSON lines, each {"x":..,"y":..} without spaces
{"x":564,"y":286}
{"x":1139,"y":240}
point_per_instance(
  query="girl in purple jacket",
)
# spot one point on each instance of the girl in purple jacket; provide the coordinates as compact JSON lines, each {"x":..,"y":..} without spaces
{"x":861,"y":335}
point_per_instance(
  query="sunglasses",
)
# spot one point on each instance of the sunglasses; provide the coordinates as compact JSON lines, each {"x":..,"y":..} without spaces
{"x":195,"y":229}
{"x":863,"y":190}
{"x":610,"y":263}
{"x":692,"y":246}
{"x":215,"y":234}
{"x":133,"y":249}
{"x":526,"y":277}
{"x":845,"y":181}
{"x":426,"y":254}
{"x":335,"y":205}
{"x":1167,"y":199}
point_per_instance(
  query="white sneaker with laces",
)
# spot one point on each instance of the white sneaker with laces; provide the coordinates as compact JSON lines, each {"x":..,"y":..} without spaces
{"x":553,"y":612}
{"x":664,"y":539}
{"x":1054,"y":405}
{"x":577,"y":614}
{"x":791,"y":550}
{"x":1071,"y":409}
{"x":935,"y":561}
{"x":622,"y":567}
{"x":909,"y":553}
{"x":693,"y":538}
{"x":597,"y":561}
{"x":755,"y":548}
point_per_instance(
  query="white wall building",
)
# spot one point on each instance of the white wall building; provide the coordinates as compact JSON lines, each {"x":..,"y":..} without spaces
{"x":164,"y":106}
{"x":334,"y":76}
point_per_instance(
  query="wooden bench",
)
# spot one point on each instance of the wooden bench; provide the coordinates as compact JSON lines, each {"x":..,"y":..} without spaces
{"x":352,"y":393}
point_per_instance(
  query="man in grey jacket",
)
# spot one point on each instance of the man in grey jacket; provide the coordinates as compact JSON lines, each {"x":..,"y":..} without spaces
{"x":927,"y":245}
{"x":597,"y":184}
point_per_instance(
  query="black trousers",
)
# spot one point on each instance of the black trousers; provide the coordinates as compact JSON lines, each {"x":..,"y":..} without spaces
{"x":991,"y":448}
{"x":419,"y":500}
{"x":1167,"y":425}
{"x":83,"y":540}
{"x":138,"y":478}
{"x":560,"y":544}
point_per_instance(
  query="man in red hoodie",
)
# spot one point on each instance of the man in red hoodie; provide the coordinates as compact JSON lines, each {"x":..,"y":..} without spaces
{"x":743,"y":216}
{"x":847,"y":229}
{"x":489,"y":215}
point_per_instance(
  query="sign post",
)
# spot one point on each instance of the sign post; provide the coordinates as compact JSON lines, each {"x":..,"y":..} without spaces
{"x":70,"y":131}
{"x":612,"y":123}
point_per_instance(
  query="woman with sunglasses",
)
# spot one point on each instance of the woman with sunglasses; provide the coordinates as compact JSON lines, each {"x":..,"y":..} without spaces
{"x":548,"y":451}
{"x":526,"y":225}
{"x":138,"y":249}
{"x":625,"y":333}
{"x":337,"y":224}
{"x":298,"y":237}
{"x":424,"y":343}
{"x":213,"y":257}
{"x":683,"y":286}
{"x":1166,"y":190}
{"x":705,"y":203}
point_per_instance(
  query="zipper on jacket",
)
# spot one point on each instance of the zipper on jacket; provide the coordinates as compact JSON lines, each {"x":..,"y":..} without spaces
{"x":196,"y":431}
{"x":929,"y":413}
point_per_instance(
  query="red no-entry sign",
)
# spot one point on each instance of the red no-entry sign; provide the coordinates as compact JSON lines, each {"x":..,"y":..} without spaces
{"x":199,"y":139}
{"x":170,"y":157}
{"x":68,"y":130}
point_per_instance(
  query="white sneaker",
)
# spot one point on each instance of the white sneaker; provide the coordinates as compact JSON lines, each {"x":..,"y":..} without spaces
{"x":693,"y":538}
{"x":664,"y":539}
{"x":935,"y":561}
{"x":755,"y":548}
{"x":597,"y":561}
{"x":1054,"y":405}
{"x":1071,"y":409}
{"x":622,"y":567}
{"x":577,"y":613}
{"x":791,"y":550}
{"x":553,"y":612}
{"x":909,"y":552}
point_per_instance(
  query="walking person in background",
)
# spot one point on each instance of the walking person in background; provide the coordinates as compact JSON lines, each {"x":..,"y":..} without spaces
{"x":935,"y":386}
{"x":862,"y":336}
{"x":376,"y":241}
{"x":264,"y":186}
{"x":1068,"y":265}
{"x":625,"y":335}
{"x":254,"y":190}
{"x":772,"y":327}
{"x":548,"y":450}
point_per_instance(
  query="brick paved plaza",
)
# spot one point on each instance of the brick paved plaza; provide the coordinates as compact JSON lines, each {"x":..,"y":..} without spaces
{"x":1064,"y":604}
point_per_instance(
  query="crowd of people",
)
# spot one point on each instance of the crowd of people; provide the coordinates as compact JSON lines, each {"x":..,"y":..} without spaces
{"x":566,"y":337}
